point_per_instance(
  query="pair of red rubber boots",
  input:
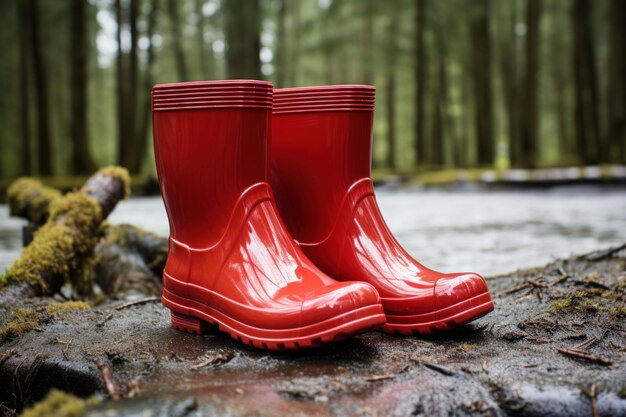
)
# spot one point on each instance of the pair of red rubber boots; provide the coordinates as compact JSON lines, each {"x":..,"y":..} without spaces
{"x":277,"y":238}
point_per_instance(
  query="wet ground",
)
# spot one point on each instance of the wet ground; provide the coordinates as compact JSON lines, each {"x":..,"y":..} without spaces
{"x":554,"y":346}
{"x":491,"y":232}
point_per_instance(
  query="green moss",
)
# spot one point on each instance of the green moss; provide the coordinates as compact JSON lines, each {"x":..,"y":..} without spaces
{"x":561,"y":304}
{"x":592,"y":300}
{"x":60,"y":248}
{"x":60,"y":404}
{"x":69,"y":306}
{"x":22,"y":320}
{"x":120,"y":173}
{"x":29,"y":198}
{"x":48,"y":253}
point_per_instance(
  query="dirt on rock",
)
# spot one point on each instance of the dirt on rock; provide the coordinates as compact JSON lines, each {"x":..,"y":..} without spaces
{"x":554,"y":346}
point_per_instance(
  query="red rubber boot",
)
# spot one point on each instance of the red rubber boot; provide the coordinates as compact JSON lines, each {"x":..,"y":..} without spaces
{"x":320,"y":155}
{"x":231,"y":262}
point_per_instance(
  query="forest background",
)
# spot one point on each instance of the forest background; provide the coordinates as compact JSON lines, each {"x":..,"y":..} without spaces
{"x":460,"y":83}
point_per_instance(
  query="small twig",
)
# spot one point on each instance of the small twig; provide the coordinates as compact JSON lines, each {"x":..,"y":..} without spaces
{"x":378,"y":377}
{"x":525,"y":297}
{"x":137,"y":302}
{"x":587,"y":356}
{"x":586,"y":343}
{"x":592,"y":393}
{"x":574,"y":336}
{"x":537,"y":284}
{"x":516,"y":289}
{"x":108,"y":380}
{"x":563,"y":277}
{"x":217,"y":358}
{"x":438,"y":368}
{"x":107,"y":318}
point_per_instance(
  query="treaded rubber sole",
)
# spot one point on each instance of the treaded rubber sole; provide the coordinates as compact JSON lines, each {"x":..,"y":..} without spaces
{"x":202,"y":319}
{"x":445,"y":319}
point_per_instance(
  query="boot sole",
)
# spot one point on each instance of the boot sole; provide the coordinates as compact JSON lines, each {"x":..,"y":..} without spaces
{"x":197,"y":318}
{"x":442,"y":320}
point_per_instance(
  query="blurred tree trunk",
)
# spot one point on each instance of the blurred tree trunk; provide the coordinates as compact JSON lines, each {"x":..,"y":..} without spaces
{"x":82,"y":161}
{"x":366,"y":40}
{"x":281,"y":44}
{"x":441,"y":100}
{"x":421,"y":66}
{"x":141,"y":141}
{"x":177,"y":42}
{"x":122,"y":91}
{"x":206,"y":63}
{"x":390,"y":86}
{"x":25,"y":131}
{"x":561,"y":77}
{"x":294,"y":51}
{"x":44,"y":147}
{"x":243,"y":26}
{"x":130,"y":149}
{"x":530,"y":122}
{"x":508,"y":60}
{"x":480,"y":39}
{"x":585,"y":85}
{"x":617,"y":84}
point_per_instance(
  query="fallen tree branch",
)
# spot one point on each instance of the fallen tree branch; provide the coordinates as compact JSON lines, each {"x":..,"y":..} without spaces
{"x":62,"y":249}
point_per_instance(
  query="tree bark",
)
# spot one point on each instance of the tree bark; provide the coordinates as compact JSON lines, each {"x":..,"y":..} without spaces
{"x":294,"y":51}
{"x":420,"y":144}
{"x":177,"y":42}
{"x":508,"y":64}
{"x":82,"y":161}
{"x":440,"y":119}
{"x":585,"y":85}
{"x":25,"y":128}
{"x":123,"y":128}
{"x":243,"y":23}
{"x":366,"y":41}
{"x":617,"y":84}
{"x":390,"y":88}
{"x":530,"y":124}
{"x":480,"y":39}
{"x":44,"y":147}
{"x":206,"y":64}
{"x":141,"y":141}
{"x":281,"y":44}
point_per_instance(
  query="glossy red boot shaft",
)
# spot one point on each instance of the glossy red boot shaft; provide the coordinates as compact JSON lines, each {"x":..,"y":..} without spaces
{"x":232,"y":264}
{"x":320,"y":157}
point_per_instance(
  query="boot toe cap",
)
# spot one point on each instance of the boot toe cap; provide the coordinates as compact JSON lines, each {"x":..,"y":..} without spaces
{"x":452,"y":289}
{"x":336,"y":299}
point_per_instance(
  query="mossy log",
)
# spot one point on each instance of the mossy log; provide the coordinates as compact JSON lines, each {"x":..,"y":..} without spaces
{"x":30,"y":199}
{"x":130,"y":260}
{"x":62,"y":249}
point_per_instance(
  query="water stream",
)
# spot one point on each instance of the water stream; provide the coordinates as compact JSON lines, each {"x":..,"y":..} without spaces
{"x":491,"y":232}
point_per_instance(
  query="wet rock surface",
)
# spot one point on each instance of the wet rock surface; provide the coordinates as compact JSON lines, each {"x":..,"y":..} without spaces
{"x":555,"y":345}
